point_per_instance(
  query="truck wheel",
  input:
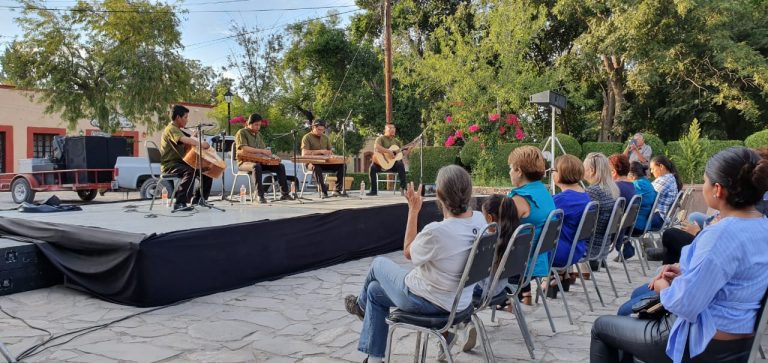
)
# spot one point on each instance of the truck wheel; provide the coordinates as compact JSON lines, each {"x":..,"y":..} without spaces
{"x":87,"y":195}
{"x":21,"y":191}
{"x":150,"y":185}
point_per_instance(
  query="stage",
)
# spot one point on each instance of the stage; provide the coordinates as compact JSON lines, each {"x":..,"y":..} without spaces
{"x":124,"y":253}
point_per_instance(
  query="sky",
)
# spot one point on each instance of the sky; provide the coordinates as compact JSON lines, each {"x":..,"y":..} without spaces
{"x":208,"y":21}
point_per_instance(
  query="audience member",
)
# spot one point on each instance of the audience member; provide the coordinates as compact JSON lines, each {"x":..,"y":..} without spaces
{"x":644,"y":188}
{"x":572,"y":200}
{"x":619,"y":173}
{"x":714,"y":293}
{"x":667,"y":183}
{"x":638,"y":150}
{"x":602,"y":189}
{"x":438,"y":253}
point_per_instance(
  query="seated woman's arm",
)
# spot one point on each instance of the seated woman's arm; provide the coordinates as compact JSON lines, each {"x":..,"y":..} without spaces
{"x":690,"y":293}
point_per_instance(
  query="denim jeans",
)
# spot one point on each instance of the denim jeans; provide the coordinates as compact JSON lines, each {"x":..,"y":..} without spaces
{"x":637,"y":295}
{"x":385,"y":288}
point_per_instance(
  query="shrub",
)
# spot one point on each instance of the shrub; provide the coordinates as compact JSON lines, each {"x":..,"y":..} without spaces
{"x":712,"y":147}
{"x":757,"y":140}
{"x":492,"y":168}
{"x":435,"y":157}
{"x":673,"y":148}
{"x":469,"y":154}
{"x":691,"y":158}
{"x":357,"y":178}
{"x":607,"y":148}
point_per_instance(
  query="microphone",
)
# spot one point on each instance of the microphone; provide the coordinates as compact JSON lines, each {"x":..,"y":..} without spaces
{"x":202,"y":124}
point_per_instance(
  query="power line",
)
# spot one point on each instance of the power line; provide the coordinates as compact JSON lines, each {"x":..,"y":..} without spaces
{"x":77,"y":10}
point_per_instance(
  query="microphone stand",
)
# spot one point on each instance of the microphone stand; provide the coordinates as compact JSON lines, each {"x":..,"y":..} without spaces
{"x":296,"y":197}
{"x":202,"y":202}
{"x":343,"y":180}
{"x":223,"y":157}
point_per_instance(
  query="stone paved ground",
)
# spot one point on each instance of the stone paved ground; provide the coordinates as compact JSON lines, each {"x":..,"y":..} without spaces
{"x":295,"y":319}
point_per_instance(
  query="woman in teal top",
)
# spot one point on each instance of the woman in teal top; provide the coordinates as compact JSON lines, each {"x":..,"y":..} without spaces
{"x":532,"y":199}
{"x":644,"y":188}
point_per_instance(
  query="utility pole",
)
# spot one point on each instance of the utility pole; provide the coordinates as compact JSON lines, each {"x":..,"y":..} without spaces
{"x":388,"y":59}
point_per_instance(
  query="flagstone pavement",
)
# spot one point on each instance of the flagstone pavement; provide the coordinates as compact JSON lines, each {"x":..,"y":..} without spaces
{"x":300,"y":318}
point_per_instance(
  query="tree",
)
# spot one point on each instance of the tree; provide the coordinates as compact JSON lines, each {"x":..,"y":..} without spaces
{"x":101,"y":60}
{"x":257,"y":65}
{"x":202,"y":88}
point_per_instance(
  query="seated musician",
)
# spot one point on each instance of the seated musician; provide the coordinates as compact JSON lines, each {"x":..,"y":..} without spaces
{"x":315,"y":143}
{"x":173,"y":146}
{"x":382,"y":145}
{"x":249,"y":140}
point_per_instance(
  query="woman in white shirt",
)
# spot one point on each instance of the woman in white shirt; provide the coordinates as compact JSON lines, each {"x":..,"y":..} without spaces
{"x":438,"y":253}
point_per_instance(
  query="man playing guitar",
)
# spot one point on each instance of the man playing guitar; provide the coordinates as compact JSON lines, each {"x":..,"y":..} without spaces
{"x":173,"y":144}
{"x":387,"y":154}
{"x":249,"y":140}
{"x":316,"y":143}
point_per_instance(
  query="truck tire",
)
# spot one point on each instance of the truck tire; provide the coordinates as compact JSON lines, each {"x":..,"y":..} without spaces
{"x":87,"y":195}
{"x":21,"y":191}
{"x":149,"y":186}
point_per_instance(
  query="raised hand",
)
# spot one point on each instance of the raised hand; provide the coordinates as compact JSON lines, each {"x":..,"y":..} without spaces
{"x":414,"y":198}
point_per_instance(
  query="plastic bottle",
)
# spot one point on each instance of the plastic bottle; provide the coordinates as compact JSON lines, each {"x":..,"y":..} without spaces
{"x":242,"y":194}
{"x":164,"y":195}
{"x":362,"y":189}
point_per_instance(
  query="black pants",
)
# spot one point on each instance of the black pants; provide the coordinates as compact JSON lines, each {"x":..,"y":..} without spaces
{"x":258,"y":170}
{"x":620,"y":338}
{"x":318,"y":171}
{"x":399,"y":168}
{"x":184,"y":191}
{"x":674,"y":240}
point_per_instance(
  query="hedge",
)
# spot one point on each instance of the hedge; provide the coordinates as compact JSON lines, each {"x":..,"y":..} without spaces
{"x":569,"y":143}
{"x":607,"y":148}
{"x":712,"y":147}
{"x":469,"y":154}
{"x":435,"y":157}
{"x":757,"y":140}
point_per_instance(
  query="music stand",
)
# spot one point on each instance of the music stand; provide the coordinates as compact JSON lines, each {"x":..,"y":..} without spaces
{"x":556,"y":102}
{"x":199,"y":170}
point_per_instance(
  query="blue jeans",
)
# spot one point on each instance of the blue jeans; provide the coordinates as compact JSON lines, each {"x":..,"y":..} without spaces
{"x":384,"y":288}
{"x":637,"y":295}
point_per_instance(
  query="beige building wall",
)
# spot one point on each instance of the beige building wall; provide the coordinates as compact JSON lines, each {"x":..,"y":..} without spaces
{"x":21,"y":118}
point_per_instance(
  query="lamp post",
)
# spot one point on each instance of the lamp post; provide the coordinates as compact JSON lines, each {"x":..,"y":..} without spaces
{"x":228,"y":98}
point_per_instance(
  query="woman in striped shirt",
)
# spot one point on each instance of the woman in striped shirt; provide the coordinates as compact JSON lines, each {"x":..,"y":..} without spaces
{"x":667,"y":183}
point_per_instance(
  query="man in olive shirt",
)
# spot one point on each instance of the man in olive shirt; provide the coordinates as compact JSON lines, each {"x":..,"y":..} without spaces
{"x":172,"y":150}
{"x":382,"y":145}
{"x":249,"y":140}
{"x":316,"y":143}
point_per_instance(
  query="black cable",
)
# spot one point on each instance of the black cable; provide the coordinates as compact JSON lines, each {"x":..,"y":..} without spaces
{"x":77,"y":10}
{"x":25,"y":322}
{"x":32,"y":351}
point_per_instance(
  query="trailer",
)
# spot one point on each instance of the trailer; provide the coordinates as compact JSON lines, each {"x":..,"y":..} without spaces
{"x":86,"y":182}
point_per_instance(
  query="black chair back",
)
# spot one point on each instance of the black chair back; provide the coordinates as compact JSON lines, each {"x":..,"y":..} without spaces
{"x":760,"y":322}
{"x":482,"y":259}
{"x":588,"y":222}
{"x":630,"y":216}
{"x":616,"y":215}
{"x":515,"y":258}
{"x":550,"y":234}
{"x":153,"y":153}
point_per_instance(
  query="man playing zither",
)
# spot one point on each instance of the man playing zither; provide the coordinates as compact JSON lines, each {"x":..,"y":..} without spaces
{"x":173,"y":145}
{"x":316,"y":143}
{"x":249,"y":140}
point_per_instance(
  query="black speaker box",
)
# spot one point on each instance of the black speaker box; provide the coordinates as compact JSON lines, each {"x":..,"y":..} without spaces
{"x":23,"y":267}
{"x":92,"y":152}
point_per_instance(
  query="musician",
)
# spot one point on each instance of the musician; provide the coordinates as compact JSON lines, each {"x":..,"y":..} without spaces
{"x":173,"y":146}
{"x":316,"y":143}
{"x":249,"y":140}
{"x":382,"y":145}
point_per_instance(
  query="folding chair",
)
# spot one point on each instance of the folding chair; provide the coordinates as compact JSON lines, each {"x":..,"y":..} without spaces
{"x":762,"y":319}
{"x":584,"y":231}
{"x":669,"y":220}
{"x":638,"y":240}
{"x":236,"y":172}
{"x":548,"y":238}
{"x":309,"y":175}
{"x":153,"y":155}
{"x":626,"y":226}
{"x":478,"y":267}
{"x":610,"y":231}
{"x":386,"y":180}
{"x":514,"y":262}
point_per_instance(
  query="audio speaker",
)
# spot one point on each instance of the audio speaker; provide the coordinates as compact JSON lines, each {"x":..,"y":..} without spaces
{"x":87,"y":152}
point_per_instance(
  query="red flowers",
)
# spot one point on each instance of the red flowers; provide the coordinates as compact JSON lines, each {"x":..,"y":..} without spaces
{"x":448,"y":119}
{"x":493,"y":117}
{"x":512,"y":119}
{"x":519,"y":134}
{"x":474,"y":128}
{"x":502,"y":130}
{"x":237,"y":120}
{"x":459,"y":134}
{"x":450,"y":141}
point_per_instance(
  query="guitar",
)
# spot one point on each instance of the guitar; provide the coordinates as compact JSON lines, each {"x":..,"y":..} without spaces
{"x":386,"y":162}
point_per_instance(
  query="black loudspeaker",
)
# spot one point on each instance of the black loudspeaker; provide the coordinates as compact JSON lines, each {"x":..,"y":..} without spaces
{"x":23,"y":267}
{"x":87,"y":152}
{"x":116,"y":147}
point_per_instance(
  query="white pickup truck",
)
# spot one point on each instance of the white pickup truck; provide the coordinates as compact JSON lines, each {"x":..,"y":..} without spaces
{"x":133,"y":173}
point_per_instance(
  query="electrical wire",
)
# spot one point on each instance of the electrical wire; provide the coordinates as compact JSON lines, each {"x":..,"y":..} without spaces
{"x":77,"y":10}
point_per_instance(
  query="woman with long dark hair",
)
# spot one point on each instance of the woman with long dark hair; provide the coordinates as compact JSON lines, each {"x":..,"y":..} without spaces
{"x":714,"y":293}
{"x":667,"y":183}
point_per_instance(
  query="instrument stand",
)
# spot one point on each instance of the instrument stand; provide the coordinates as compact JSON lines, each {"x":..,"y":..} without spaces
{"x":550,"y":143}
{"x":199,"y":171}
{"x":296,"y":197}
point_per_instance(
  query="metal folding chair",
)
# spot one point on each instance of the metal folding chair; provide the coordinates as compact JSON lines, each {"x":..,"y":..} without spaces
{"x":639,"y":240}
{"x":626,"y":226}
{"x":478,"y":267}
{"x":386,"y":180}
{"x":153,"y":155}
{"x":548,"y":238}
{"x":584,"y":232}
{"x":610,"y":231}
{"x":760,"y":322}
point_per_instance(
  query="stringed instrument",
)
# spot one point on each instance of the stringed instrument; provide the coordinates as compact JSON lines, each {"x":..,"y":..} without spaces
{"x":385,"y":161}
{"x":211,"y":163}
{"x":258,"y":158}
{"x":319,"y":159}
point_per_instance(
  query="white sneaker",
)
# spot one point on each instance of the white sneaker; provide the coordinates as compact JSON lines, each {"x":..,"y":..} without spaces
{"x":469,"y":338}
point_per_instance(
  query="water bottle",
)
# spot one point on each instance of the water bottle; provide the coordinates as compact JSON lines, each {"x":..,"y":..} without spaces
{"x":362,"y":189}
{"x":164,"y":196}
{"x":242,"y":194}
